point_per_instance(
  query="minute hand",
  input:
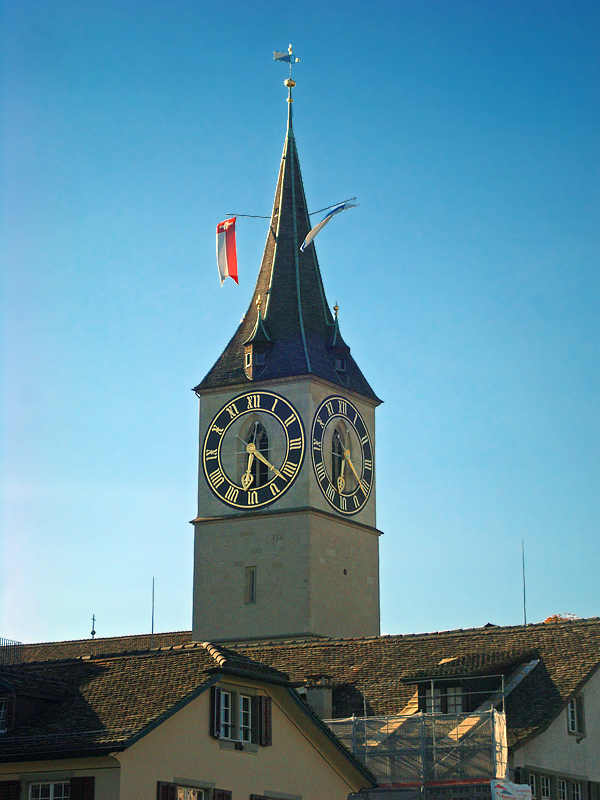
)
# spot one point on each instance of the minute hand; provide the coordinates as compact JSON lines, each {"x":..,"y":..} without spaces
{"x":347,"y":458}
{"x":268,"y":463}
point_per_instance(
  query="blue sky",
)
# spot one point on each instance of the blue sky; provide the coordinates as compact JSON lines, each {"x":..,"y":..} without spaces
{"x":467,"y":281}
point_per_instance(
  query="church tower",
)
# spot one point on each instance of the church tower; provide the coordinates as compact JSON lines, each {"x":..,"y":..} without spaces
{"x":286,"y":544}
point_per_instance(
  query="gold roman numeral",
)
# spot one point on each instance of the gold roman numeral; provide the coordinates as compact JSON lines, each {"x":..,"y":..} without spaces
{"x":232,"y":494}
{"x":343,"y":503}
{"x":274,"y":489}
{"x":253,"y":401}
{"x":317,"y":445}
{"x":289,"y":420}
{"x":342,"y":407}
{"x":289,"y":468}
{"x":368,"y":463}
{"x":216,"y":478}
{"x":274,"y":404}
{"x":364,"y":439}
{"x":329,"y":408}
{"x":232,"y":410}
{"x":320,"y":470}
{"x":211,"y":454}
{"x":252,"y":498}
{"x":330,"y":492}
{"x":295,"y":444}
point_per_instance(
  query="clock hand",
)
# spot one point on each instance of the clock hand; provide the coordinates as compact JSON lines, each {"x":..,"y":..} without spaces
{"x":260,"y":457}
{"x":347,"y":458}
{"x":341,"y":483}
{"x":247,"y":477}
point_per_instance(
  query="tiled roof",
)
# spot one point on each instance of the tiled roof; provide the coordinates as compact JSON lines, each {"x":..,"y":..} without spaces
{"x":46,"y":651}
{"x":568,"y":653}
{"x":108,"y":700}
{"x":296,"y":319}
{"x":472,"y":665}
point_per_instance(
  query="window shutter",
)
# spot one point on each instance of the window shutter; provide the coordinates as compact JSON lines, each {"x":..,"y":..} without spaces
{"x":254,"y":720}
{"x":265,"y":732}
{"x":221,"y":794}
{"x":166,"y":791}
{"x":82,"y":788}
{"x":215,"y":712}
{"x":10,"y":790}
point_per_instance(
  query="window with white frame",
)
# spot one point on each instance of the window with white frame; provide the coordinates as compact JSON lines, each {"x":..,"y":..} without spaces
{"x":227,"y":715}
{"x":545,"y":787}
{"x":563,"y":789}
{"x":60,"y":790}
{"x":236,"y":716}
{"x":575,"y":715}
{"x":245,"y":717}
{"x":533,"y":784}
{"x":575,"y":791}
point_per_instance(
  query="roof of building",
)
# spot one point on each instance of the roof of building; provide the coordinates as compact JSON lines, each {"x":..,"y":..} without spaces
{"x":97,"y":704}
{"x":568,"y":654}
{"x":296,"y":324}
{"x":388,"y":668}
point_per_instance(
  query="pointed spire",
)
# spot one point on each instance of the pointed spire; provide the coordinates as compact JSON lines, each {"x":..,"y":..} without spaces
{"x":292,"y":313}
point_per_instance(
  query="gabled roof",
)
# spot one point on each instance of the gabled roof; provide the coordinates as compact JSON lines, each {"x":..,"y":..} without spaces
{"x":108,"y":701}
{"x":568,"y":653}
{"x":296,"y":319}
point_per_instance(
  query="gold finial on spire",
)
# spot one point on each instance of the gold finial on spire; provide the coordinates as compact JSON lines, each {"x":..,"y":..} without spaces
{"x":336,"y":308}
{"x":288,"y":58}
{"x":258,"y":303}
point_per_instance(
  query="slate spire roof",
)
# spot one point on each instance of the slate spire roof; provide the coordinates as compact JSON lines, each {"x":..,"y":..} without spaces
{"x":293,"y":315}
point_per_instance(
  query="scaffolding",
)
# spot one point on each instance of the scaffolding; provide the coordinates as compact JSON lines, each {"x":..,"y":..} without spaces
{"x":424,"y":749}
{"x":10,"y":651}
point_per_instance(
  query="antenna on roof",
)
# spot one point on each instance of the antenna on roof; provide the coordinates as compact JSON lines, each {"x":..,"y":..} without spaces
{"x":152,"y":629}
{"x":523,"y":560}
{"x":93,"y":631}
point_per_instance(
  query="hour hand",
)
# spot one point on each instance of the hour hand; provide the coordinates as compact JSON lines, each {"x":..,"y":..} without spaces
{"x":247,"y":477}
{"x":341,"y":483}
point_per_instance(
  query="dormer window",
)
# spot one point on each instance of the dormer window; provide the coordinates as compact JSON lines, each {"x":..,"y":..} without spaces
{"x":446,"y":700}
{"x":260,"y":359}
{"x":340,"y":364}
{"x":248,"y":359}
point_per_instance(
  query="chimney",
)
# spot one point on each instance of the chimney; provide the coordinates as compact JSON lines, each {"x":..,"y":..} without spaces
{"x":318,"y":695}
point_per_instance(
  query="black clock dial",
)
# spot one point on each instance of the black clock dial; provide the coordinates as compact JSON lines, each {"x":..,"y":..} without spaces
{"x":253,"y":450}
{"x":342,"y":455}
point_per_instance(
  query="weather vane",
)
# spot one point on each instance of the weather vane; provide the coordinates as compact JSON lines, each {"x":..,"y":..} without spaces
{"x":290,"y":59}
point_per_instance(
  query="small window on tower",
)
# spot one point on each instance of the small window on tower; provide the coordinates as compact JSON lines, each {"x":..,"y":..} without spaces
{"x":260,"y":359}
{"x":340,"y":364}
{"x":250,"y":585}
{"x":248,"y":359}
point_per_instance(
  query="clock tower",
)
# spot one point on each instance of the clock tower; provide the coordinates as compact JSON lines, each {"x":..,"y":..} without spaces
{"x":286,"y":544}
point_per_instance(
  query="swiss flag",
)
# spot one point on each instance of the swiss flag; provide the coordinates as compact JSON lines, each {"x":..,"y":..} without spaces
{"x":226,"y":253}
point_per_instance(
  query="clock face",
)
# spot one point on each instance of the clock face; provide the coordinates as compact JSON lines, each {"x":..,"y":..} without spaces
{"x":253,"y":450}
{"x":342,"y":455}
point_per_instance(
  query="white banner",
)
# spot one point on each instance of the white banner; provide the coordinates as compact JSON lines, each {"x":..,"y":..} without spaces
{"x":506,"y":790}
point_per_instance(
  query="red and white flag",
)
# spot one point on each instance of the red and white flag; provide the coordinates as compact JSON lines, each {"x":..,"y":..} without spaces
{"x":226,"y":254}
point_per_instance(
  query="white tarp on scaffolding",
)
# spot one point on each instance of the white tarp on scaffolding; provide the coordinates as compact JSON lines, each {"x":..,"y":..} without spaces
{"x":506,"y":790}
